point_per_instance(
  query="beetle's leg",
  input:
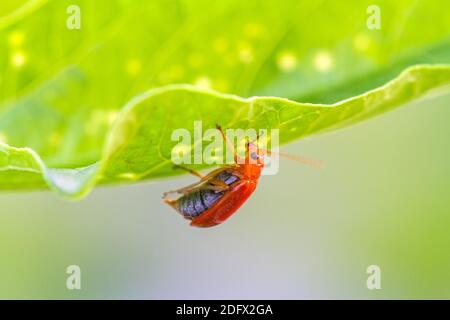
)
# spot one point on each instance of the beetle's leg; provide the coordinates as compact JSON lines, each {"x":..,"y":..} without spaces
{"x":195,"y":173}
{"x":223,"y":188}
{"x":190,"y":187}
{"x":218,"y":188}
{"x":230,"y":144}
{"x":218,"y":183}
{"x":203,"y":179}
{"x":182,"y":191}
{"x":210,"y":181}
{"x":213,"y":184}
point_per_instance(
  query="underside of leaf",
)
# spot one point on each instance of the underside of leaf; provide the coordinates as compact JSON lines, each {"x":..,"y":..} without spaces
{"x":138,"y":144}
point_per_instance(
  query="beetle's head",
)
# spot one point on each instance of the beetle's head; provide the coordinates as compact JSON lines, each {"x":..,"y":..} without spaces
{"x":255,"y":155}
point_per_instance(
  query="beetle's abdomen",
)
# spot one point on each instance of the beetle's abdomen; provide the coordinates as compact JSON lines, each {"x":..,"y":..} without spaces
{"x":195,"y":203}
{"x":198,"y":201}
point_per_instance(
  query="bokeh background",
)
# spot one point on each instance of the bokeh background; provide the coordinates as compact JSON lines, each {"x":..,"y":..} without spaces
{"x":382,"y":197}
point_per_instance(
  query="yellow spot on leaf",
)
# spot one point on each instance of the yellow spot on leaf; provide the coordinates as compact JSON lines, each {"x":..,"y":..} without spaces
{"x":16,"y":38}
{"x":246,"y":55}
{"x":361,"y":42}
{"x":112,"y":115}
{"x":133,"y":67}
{"x":287,"y":61}
{"x":203,"y":82}
{"x":323,"y":61}
{"x":18,"y":59}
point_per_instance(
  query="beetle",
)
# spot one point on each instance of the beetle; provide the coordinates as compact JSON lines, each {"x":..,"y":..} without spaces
{"x":216,"y":196}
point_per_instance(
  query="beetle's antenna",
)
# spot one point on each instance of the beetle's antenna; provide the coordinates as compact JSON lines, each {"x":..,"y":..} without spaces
{"x":229,"y":143}
{"x":318,"y":164}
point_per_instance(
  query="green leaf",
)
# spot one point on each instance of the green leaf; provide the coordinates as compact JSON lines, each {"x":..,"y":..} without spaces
{"x":138,"y":147}
{"x":65,"y":121}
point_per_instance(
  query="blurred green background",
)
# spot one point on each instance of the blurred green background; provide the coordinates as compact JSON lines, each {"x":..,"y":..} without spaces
{"x":382,"y":197}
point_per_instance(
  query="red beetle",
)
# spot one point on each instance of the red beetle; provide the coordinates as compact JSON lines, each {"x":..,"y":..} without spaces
{"x":218,"y":195}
